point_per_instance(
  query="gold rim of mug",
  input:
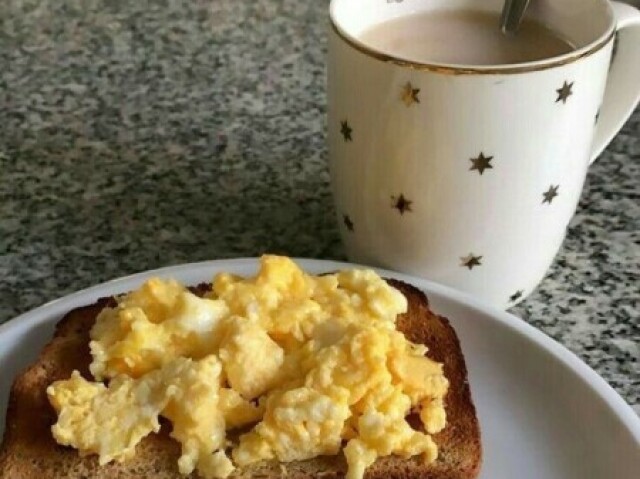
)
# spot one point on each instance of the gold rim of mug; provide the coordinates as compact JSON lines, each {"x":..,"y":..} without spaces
{"x":462,"y":70}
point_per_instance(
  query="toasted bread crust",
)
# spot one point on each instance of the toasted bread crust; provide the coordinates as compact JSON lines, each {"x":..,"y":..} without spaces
{"x":29,"y":450}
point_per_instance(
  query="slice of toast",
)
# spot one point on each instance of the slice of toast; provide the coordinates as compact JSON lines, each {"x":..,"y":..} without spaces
{"x":29,"y":450}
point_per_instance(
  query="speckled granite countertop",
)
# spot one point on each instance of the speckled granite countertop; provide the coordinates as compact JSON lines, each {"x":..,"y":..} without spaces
{"x":140,"y":134}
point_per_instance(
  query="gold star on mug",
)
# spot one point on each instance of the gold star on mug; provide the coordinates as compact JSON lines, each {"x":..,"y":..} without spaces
{"x":550,"y":194}
{"x":347,"y":222}
{"x":470,"y":261}
{"x":481,"y":163}
{"x":564,"y":92}
{"x":401,"y":203}
{"x":345,"y":130}
{"x":516,"y":296}
{"x":409,"y":94}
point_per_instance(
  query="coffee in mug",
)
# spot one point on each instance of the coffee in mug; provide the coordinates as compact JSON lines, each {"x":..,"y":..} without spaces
{"x":463,"y":37}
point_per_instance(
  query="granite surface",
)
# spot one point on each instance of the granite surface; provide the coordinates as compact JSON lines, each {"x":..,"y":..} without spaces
{"x":135,"y":135}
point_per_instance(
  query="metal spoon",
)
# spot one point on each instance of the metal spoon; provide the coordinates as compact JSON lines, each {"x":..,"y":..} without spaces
{"x":512,"y":14}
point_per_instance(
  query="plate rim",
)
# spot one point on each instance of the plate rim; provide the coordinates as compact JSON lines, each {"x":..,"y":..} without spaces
{"x":614,"y":402}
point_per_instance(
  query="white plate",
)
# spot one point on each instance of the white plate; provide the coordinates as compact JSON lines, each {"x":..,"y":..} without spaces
{"x":543,"y":412}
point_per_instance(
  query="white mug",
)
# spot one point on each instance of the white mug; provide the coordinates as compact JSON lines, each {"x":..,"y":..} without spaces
{"x":473,"y":183}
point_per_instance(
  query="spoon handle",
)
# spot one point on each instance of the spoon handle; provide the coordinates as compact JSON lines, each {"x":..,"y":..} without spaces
{"x":512,"y":14}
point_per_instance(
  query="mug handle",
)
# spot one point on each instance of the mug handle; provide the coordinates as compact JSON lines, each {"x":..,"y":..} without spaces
{"x":623,"y":85}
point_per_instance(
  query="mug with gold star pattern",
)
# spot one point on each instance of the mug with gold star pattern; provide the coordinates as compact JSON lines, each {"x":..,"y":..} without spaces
{"x":458,"y":154}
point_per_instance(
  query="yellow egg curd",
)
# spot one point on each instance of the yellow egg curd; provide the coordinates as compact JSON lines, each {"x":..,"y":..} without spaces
{"x":303,"y":363}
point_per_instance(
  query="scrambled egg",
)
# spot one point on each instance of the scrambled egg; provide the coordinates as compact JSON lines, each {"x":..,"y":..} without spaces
{"x":303,"y":363}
